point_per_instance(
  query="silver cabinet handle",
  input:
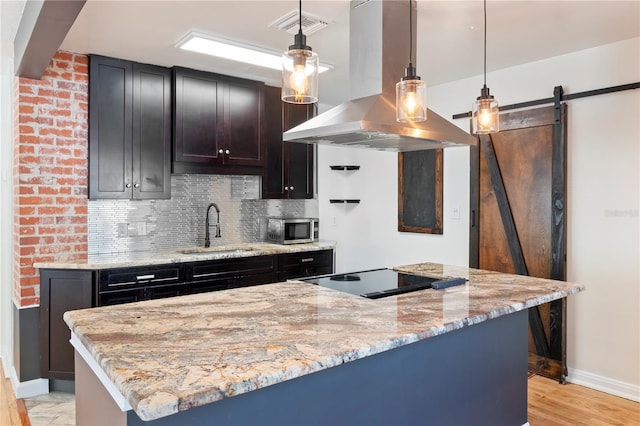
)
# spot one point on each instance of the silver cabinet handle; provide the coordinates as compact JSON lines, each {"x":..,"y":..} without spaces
{"x":145,"y":277}
{"x":227,"y":152}
{"x":286,"y":188}
{"x":136,"y":185}
{"x":220,"y":151}
{"x":291,"y":188}
{"x":306,"y":260}
{"x":128,"y":185}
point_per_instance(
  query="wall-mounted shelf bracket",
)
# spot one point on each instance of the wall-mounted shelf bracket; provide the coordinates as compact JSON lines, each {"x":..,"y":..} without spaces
{"x":345,"y":167}
{"x":344,"y":201}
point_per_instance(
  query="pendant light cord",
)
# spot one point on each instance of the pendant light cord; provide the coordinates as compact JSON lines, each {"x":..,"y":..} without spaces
{"x":300,"y":11}
{"x":485,"y":42}
{"x":410,"y":32}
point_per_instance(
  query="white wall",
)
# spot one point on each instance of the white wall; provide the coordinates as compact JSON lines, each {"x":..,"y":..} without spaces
{"x":367,"y":233}
{"x":603,"y":243}
{"x":10,"y":13}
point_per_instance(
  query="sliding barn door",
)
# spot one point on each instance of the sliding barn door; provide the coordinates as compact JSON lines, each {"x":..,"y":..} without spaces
{"x":518,"y":217}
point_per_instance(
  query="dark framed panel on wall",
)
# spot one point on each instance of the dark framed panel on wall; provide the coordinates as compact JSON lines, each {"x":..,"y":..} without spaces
{"x":420,"y":191}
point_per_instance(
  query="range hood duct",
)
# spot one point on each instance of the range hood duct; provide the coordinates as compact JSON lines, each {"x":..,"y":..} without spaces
{"x":379,"y":46}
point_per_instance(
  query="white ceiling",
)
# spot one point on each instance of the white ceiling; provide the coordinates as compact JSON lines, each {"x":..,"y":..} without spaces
{"x":449,"y":34}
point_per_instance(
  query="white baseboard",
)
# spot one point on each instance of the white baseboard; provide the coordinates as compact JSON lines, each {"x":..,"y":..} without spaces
{"x":604,"y":384}
{"x":26,"y":389}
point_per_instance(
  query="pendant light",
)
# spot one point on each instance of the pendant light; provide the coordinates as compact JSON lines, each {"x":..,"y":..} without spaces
{"x":485,"y":109}
{"x":300,"y":71}
{"x":411,"y":92}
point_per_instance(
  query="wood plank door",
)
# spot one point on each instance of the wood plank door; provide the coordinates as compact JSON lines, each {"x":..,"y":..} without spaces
{"x":518,"y":185}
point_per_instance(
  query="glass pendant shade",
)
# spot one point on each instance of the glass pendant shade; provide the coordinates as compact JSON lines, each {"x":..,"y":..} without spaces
{"x":485,"y":113}
{"x":300,"y":76}
{"x":411,"y":100}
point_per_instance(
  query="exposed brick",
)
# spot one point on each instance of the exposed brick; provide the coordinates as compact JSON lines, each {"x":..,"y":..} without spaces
{"x":26,"y":130}
{"x":26,"y":211}
{"x":50,"y":170}
{"x":35,"y":301}
{"x":28,"y":291}
{"x":70,"y":239}
{"x":58,"y":132}
{"x":27,"y":270}
{"x":29,"y":281}
{"x":35,"y":100}
{"x":53,"y":210}
{"x":60,"y":94}
{"x":66,"y":56}
{"x":28,"y":190}
{"x":26,"y":149}
{"x":27,"y":251}
{"x":35,"y":200}
{"x":70,"y":161}
{"x":60,"y":112}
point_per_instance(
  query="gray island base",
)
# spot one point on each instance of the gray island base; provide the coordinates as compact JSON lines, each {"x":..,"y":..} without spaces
{"x":298,"y":354}
{"x":473,"y":376}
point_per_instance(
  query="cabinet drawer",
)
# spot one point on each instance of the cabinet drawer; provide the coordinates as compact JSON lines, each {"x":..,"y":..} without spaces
{"x":230,"y":268}
{"x":123,"y":278}
{"x":258,"y":279}
{"x":305,"y":264}
{"x":316,"y":258}
{"x":121,"y":296}
{"x":117,"y":297}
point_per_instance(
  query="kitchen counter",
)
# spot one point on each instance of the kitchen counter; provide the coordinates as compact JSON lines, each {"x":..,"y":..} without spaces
{"x":194,"y":254}
{"x":162,"y":357}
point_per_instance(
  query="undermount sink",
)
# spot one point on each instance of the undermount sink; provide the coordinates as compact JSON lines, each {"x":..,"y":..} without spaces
{"x":214,"y":250}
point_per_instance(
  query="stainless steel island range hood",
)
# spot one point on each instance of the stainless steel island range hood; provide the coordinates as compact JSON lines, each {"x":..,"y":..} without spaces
{"x":379,"y":51}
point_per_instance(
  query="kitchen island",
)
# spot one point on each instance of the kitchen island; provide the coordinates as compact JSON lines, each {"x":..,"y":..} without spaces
{"x":296,"y":353}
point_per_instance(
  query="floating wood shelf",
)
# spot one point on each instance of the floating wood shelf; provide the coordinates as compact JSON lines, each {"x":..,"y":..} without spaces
{"x":344,"y":201}
{"x":345,"y":167}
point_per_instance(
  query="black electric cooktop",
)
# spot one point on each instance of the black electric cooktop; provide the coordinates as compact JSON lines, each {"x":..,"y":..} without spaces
{"x":380,"y":283}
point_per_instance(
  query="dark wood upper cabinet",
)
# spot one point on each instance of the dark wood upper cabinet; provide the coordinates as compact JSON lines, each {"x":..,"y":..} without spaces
{"x":218,"y":124}
{"x":129,"y":130}
{"x":290,"y":166}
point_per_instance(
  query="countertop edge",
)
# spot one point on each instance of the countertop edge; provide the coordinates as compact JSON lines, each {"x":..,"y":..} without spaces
{"x":169,"y":257}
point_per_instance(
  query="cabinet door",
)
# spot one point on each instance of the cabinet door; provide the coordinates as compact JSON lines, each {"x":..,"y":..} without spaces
{"x":289,"y":171}
{"x":273,"y":182}
{"x":243,"y":110}
{"x":110,"y":119}
{"x":60,"y":291}
{"x":151,"y":132}
{"x":198,"y":118}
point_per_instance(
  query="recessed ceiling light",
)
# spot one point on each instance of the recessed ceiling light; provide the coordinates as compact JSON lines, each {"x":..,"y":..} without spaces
{"x":228,"y":49}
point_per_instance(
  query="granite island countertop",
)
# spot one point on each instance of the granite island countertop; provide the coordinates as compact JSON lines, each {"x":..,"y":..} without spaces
{"x":170,"y":355}
{"x":193,"y":254}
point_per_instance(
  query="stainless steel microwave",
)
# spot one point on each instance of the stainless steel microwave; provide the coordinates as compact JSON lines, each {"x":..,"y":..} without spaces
{"x":287,"y":230}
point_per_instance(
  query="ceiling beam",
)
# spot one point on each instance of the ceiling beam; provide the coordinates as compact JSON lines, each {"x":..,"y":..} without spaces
{"x":43,"y":27}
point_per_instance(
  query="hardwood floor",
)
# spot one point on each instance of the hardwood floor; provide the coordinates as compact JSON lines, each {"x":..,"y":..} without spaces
{"x":12,"y":412}
{"x":550,"y":404}
{"x":553,"y":404}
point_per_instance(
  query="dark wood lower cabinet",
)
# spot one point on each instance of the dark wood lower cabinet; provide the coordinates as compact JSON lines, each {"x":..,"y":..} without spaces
{"x":230,"y":273}
{"x":64,"y":290}
{"x":60,"y":291}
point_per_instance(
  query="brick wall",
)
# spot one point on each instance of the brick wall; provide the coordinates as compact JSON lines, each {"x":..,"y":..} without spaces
{"x":50,"y":171}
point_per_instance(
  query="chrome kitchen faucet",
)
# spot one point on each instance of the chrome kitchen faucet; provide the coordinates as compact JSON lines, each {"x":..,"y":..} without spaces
{"x":207,"y":240}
